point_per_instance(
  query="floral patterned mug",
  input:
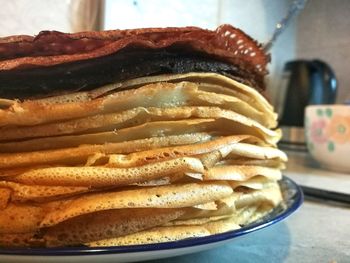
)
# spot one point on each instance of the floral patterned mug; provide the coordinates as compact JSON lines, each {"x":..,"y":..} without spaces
{"x":327,"y":131}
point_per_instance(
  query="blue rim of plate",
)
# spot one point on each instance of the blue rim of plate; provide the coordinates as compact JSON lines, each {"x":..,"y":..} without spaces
{"x":293,"y":198}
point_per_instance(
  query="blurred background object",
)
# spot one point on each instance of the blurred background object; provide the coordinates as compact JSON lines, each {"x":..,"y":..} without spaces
{"x":86,"y":15}
{"x":328,"y":135}
{"x":30,"y":17}
{"x":307,"y":82}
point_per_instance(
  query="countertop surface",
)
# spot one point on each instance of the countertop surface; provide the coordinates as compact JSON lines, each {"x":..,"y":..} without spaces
{"x":317,"y":232}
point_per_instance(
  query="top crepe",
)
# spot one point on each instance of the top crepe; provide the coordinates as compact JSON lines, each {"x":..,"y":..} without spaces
{"x":72,"y":57}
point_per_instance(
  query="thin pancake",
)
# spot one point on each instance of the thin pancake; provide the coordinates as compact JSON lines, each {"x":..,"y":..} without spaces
{"x":272,"y":163}
{"x":17,"y":218}
{"x":94,"y":226}
{"x":228,"y":123}
{"x":233,"y":146}
{"x":108,"y":176}
{"x":20,"y":240}
{"x":229,"y":146}
{"x":151,"y":95}
{"x":221,"y":210}
{"x":197,"y":221}
{"x":21,"y":192}
{"x":240,"y":172}
{"x":256,"y":183}
{"x":153,"y":236}
{"x":167,"y":234}
{"x":12,"y":162}
{"x":5,"y":195}
{"x":125,"y":119}
{"x":244,"y":197}
{"x":172,"y":196}
{"x":271,"y":195}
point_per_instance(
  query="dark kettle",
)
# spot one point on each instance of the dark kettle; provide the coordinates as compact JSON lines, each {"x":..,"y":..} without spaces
{"x":306,"y":83}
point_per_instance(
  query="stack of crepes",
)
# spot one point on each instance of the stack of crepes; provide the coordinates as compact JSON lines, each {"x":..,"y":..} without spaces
{"x":102,"y":147}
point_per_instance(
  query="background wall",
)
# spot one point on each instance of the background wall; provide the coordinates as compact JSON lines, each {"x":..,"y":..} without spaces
{"x":29,"y":17}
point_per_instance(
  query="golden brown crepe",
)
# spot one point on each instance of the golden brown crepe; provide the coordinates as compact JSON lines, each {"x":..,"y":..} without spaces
{"x":181,"y":148}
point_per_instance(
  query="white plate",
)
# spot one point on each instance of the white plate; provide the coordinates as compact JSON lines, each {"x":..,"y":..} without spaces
{"x":293,"y":198}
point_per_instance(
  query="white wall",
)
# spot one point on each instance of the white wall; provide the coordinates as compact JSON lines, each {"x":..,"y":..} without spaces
{"x":31,"y":16}
{"x":125,"y":14}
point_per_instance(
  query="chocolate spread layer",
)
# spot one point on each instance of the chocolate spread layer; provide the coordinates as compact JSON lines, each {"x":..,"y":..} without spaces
{"x":127,"y":64}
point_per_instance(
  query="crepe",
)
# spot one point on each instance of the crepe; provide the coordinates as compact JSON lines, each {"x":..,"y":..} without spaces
{"x":168,"y":234}
{"x":18,"y":218}
{"x":151,"y":129}
{"x":227,"y":145}
{"x":155,"y":135}
{"x":91,"y":57}
{"x":94,"y":226}
{"x":173,"y":196}
{"x":33,"y":192}
{"x":41,"y":111}
{"x":5,"y":195}
{"x":13,"y":162}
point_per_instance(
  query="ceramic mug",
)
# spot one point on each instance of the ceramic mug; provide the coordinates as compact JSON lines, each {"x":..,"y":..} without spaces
{"x":327,"y":132}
